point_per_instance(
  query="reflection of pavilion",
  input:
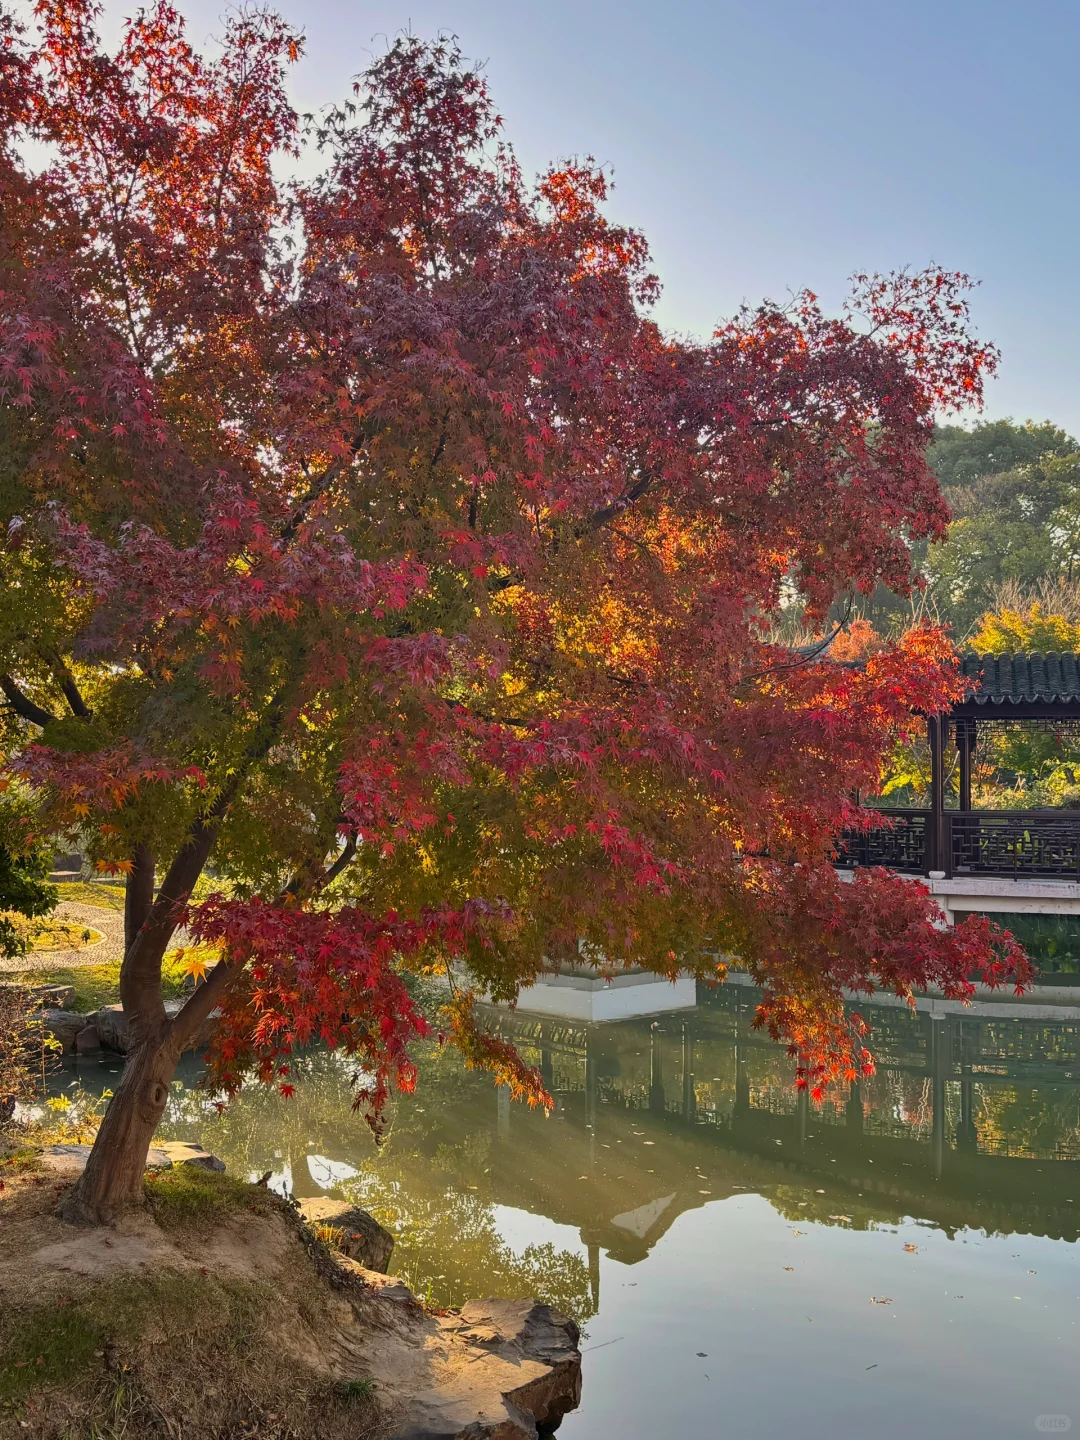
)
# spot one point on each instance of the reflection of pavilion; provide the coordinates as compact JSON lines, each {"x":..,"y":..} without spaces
{"x":581,"y":992}
{"x":653,"y":1119}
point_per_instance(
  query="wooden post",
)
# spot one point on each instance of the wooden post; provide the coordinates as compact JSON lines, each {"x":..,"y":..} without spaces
{"x":935,"y":839}
{"x":657,"y":1098}
{"x":939,"y":1069}
{"x":965,"y":745}
{"x":688,"y":1098}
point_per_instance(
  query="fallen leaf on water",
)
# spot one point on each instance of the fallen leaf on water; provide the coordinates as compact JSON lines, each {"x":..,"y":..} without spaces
{"x":704,"y":1192}
{"x":789,"y":1267}
{"x":911,"y":1249}
{"x":845,"y":1218}
{"x":872,"y":1367}
{"x":702,"y":1354}
{"x":880,"y":1299}
{"x":1033,"y":1272}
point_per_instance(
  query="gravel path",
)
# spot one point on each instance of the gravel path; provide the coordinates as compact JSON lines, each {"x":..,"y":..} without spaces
{"x":109,"y":923}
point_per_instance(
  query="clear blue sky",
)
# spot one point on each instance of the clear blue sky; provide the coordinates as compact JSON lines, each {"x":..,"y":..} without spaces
{"x":767,"y":145}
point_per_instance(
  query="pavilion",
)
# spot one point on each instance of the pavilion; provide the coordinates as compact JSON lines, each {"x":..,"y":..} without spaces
{"x":1038,"y":691}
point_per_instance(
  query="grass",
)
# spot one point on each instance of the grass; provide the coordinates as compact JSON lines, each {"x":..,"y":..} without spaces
{"x":105,"y":894}
{"x":356,"y":1389}
{"x":97,"y":985}
{"x":332,"y":1235}
{"x":52,"y":934}
{"x":46,"y":1346}
{"x":56,"y":1344}
{"x":18,"y":1159}
{"x":188,"y":1192}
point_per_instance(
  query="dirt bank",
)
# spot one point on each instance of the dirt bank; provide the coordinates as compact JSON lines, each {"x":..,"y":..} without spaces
{"x":215,"y":1313}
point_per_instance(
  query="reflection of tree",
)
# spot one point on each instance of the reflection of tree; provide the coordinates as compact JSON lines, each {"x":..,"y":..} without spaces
{"x":428,"y":1182}
{"x":448,"y":1247}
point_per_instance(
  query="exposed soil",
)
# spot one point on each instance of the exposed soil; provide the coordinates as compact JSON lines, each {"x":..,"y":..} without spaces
{"x":214,"y":1313}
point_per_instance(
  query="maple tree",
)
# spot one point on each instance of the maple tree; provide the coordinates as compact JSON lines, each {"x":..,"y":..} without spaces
{"x":369,"y":542}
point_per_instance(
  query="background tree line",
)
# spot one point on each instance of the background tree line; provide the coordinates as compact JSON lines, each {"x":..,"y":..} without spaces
{"x":1013,"y":544}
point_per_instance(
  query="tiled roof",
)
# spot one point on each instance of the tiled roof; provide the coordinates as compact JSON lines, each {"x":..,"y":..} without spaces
{"x":1020,"y":678}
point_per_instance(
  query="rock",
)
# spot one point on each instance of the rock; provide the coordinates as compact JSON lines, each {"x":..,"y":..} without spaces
{"x":67,"y":867}
{"x":64,"y":1026}
{"x":87,"y":1041}
{"x":364,"y":1239}
{"x":183,"y":1152}
{"x":71,"y":1159}
{"x":517,"y":1378}
{"x":65,"y":1159}
{"x":114,"y":1027}
{"x":205,"y":1033}
{"x":56,"y":996}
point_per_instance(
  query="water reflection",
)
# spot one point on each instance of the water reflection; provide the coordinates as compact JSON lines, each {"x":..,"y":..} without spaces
{"x":942,"y":1187}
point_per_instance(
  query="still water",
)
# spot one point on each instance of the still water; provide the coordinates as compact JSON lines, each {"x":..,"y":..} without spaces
{"x":901,"y":1262}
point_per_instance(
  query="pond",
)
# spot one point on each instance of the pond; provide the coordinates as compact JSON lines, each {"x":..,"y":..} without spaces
{"x":902,"y":1261}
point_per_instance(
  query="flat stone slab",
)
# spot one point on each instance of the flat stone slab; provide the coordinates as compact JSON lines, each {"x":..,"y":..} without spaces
{"x":71,"y":1159}
{"x":58,"y":997}
{"x":185,"y":1152}
{"x":521,"y":1374}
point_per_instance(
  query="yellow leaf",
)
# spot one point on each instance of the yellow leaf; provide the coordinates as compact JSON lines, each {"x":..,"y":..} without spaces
{"x":195,"y":966}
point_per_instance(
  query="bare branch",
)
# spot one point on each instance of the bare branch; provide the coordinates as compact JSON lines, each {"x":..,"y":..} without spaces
{"x":66,"y":680}
{"x":197,"y":1008}
{"x":807,"y":655}
{"x":600,"y":518}
{"x":22,"y":704}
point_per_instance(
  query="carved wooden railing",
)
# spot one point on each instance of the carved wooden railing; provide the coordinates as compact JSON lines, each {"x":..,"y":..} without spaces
{"x":901,"y":846}
{"x":1015,"y":843}
{"x":1019,"y":844}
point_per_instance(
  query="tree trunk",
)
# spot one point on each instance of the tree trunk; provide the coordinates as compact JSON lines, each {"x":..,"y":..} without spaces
{"x":113,"y":1178}
{"x":138,"y":893}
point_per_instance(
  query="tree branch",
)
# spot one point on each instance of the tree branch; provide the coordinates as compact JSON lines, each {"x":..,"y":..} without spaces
{"x":140,"y":973}
{"x":331,"y":872}
{"x":66,"y":680}
{"x":318,"y":488}
{"x":600,"y":518}
{"x":303,"y":510}
{"x":198,"y":1006}
{"x":311,"y":880}
{"x":806,"y":657}
{"x":138,"y":893}
{"x":22,"y":704}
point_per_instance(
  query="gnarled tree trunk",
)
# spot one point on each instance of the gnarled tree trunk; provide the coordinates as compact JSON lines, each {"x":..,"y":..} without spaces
{"x":113,"y":1178}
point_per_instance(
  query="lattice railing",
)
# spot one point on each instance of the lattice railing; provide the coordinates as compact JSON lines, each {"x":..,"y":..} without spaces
{"x":1018,"y":843}
{"x":901,"y":846}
